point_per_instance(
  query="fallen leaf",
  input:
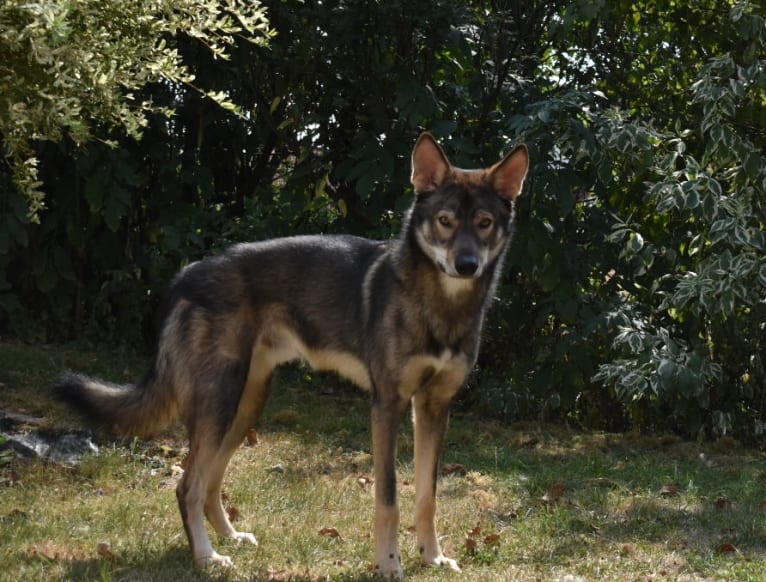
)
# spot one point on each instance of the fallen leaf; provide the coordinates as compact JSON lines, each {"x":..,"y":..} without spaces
{"x":233,"y":513}
{"x":555,"y":492}
{"x":470,"y":545}
{"x":627,"y":549}
{"x":252,"y":437}
{"x":492,"y":539}
{"x":330,"y":532}
{"x":508,"y":514}
{"x":104,"y":551}
{"x":669,"y":491}
{"x":365,"y":481}
{"x":762,"y":505}
{"x":476,"y":531}
{"x":453,"y":469}
{"x":727,"y":549}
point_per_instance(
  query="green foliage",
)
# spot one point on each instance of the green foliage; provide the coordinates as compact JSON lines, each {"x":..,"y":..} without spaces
{"x":640,"y":255}
{"x":635,"y":291}
{"x":691,"y":340}
{"x":67,"y":66}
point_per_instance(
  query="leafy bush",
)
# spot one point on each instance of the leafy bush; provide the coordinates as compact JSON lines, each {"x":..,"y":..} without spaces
{"x":635,"y":290}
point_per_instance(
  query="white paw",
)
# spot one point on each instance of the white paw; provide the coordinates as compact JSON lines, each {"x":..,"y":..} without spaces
{"x":242,"y":536}
{"x":445,"y":562}
{"x":215,"y":560}
{"x":390,"y":568}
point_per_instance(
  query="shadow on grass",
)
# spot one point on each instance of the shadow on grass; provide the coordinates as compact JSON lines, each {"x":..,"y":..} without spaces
{"x":176,"y":565}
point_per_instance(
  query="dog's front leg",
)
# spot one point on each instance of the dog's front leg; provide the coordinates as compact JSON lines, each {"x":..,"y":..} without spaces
{"x":385,"y":422}
{"x":430,"y":414}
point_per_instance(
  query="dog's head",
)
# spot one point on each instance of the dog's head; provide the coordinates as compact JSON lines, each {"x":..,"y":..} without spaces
{"x":462,"y":218}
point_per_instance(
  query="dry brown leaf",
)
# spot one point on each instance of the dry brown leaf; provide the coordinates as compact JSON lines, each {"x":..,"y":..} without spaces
{"x":330,"y":532}
{"x":721,"y":502}
{"x":105,"y":551}
{"x":252,"y":437}
{"x":669,"y":491}
{"x":470,"y":545}
{"x":365,"y":481}
{"x":492,"y":539}
{"x":727,"y":549}
{"x":555,"y":492}
{"x":233,"y":513}
{"x":762,"y":505}
{"x":476,"y":531}
{"x":627,"y":549}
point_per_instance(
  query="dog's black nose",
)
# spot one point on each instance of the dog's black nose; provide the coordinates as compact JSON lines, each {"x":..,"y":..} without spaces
{"x":466,"y":264}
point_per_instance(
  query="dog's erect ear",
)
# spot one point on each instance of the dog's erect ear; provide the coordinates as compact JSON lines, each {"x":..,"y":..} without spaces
{"x":430,"y":166}
{"x":507,"y":176}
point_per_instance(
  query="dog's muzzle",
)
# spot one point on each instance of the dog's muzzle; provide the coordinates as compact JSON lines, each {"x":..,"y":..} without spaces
{"x":466,"y":264}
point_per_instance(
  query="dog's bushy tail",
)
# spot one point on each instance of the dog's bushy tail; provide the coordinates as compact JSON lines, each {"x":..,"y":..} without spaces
{"x":125,"y":410}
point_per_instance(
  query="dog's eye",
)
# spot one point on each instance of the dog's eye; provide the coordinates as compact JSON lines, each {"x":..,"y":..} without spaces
{"x":485,"y":223}
{"x":445,"y":221}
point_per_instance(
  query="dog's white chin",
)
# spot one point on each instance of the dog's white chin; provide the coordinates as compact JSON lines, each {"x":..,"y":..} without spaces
{"x":454,"y":285}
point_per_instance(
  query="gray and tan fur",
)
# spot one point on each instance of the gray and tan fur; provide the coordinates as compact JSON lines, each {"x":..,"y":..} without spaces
{"x":400,"y":318}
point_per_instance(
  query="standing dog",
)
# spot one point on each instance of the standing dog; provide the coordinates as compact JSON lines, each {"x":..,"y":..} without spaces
{"x":400,"y":318}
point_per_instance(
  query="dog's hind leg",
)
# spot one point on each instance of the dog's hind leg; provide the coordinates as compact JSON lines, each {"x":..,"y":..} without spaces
{"x":249,"y":410}
{"x":430,"y":415}
{"x":192,"y":492}
{"x":227,"y":402}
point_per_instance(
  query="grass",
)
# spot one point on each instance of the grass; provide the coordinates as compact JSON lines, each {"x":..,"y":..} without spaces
{"x":526,"y":502}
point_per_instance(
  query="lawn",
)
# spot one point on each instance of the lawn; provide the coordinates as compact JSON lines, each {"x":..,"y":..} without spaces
{"x":521,"y":502}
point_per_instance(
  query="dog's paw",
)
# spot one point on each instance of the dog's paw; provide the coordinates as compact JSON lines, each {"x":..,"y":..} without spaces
{"x":390,"y":569}
{"x":394,"y":573}
{"x":215,"y":560}
{"x":243,"y":536}
{"x":443,"y":561}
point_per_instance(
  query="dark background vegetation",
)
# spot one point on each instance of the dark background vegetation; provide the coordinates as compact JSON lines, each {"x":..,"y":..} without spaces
{"x":634,"y":296}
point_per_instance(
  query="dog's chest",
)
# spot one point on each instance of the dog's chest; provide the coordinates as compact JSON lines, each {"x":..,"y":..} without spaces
{"x":444,"y":373}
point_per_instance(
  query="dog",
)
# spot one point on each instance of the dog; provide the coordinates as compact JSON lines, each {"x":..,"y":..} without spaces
{"x":400,"y":318}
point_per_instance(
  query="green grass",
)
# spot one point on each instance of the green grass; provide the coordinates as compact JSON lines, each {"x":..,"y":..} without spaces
{"x":532,"y":502}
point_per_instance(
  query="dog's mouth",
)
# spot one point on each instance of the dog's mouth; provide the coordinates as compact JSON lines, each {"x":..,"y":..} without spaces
{"x":471,"y":270}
